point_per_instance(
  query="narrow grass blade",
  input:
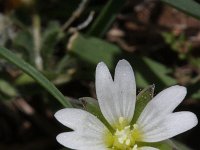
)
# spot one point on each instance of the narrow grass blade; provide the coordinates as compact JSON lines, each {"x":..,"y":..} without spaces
{"x":36,"y":75}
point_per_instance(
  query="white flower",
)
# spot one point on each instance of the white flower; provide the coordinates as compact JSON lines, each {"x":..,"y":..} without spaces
{"x":157,"y":121}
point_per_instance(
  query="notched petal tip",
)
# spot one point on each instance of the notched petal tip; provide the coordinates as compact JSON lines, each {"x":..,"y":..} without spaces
{"x":172,"y":125}
{"x":163,"y":103}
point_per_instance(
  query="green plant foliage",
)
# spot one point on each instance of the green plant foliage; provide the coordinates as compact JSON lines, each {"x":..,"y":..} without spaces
{"x":142,"y":99}
{"x":164,"y":145}
{"x":176,"y":43}
{"x":160,"y":54}
{"x":9,"y":56}
{"x":25,"y":79}
{"x":153,"y":72}
{"x":106,"y":17}
{"x":91,"y":105}
{"x":190,"y":7}
{"x":92,"y":50}
{"x":7,"y":89}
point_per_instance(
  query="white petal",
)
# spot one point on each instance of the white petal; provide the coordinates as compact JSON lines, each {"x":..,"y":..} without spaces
{"x":126,"y":90}
{"x":105,"y":92}
{"x":78,"y":141}
{"x":147,"y":148}
{"x":88,"y":129}
{"x":162,"y":104}
{"x":171,"y":125}
{"x":78,"y":119}
{"x":116,"y":99}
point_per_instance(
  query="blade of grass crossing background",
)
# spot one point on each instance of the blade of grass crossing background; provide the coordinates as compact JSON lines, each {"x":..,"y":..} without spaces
{"x":43,"y":81}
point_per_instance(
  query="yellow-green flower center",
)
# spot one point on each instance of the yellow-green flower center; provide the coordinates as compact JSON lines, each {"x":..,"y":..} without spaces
{"x":124,"y":137}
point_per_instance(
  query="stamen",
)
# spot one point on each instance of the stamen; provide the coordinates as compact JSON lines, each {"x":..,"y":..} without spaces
{"x":125,"y":137}
{"x":135,"y":147}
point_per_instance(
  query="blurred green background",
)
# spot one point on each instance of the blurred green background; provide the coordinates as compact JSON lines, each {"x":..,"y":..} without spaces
{"x":65,"y":39}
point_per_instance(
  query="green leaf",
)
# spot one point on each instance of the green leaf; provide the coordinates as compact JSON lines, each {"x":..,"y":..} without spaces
{"x":141,"y":101}
{"x":106,"y":17}
{"x":36,"y":75}
{"x":148,"y":71}
{"x":93,"y":50}
{"x":7,"y":89}
{"x":190,"y":7}
{"x":91,"y":105}
{"x":164,"y":145}
{"x":160,"y":71}
{"x":24,"y":79}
